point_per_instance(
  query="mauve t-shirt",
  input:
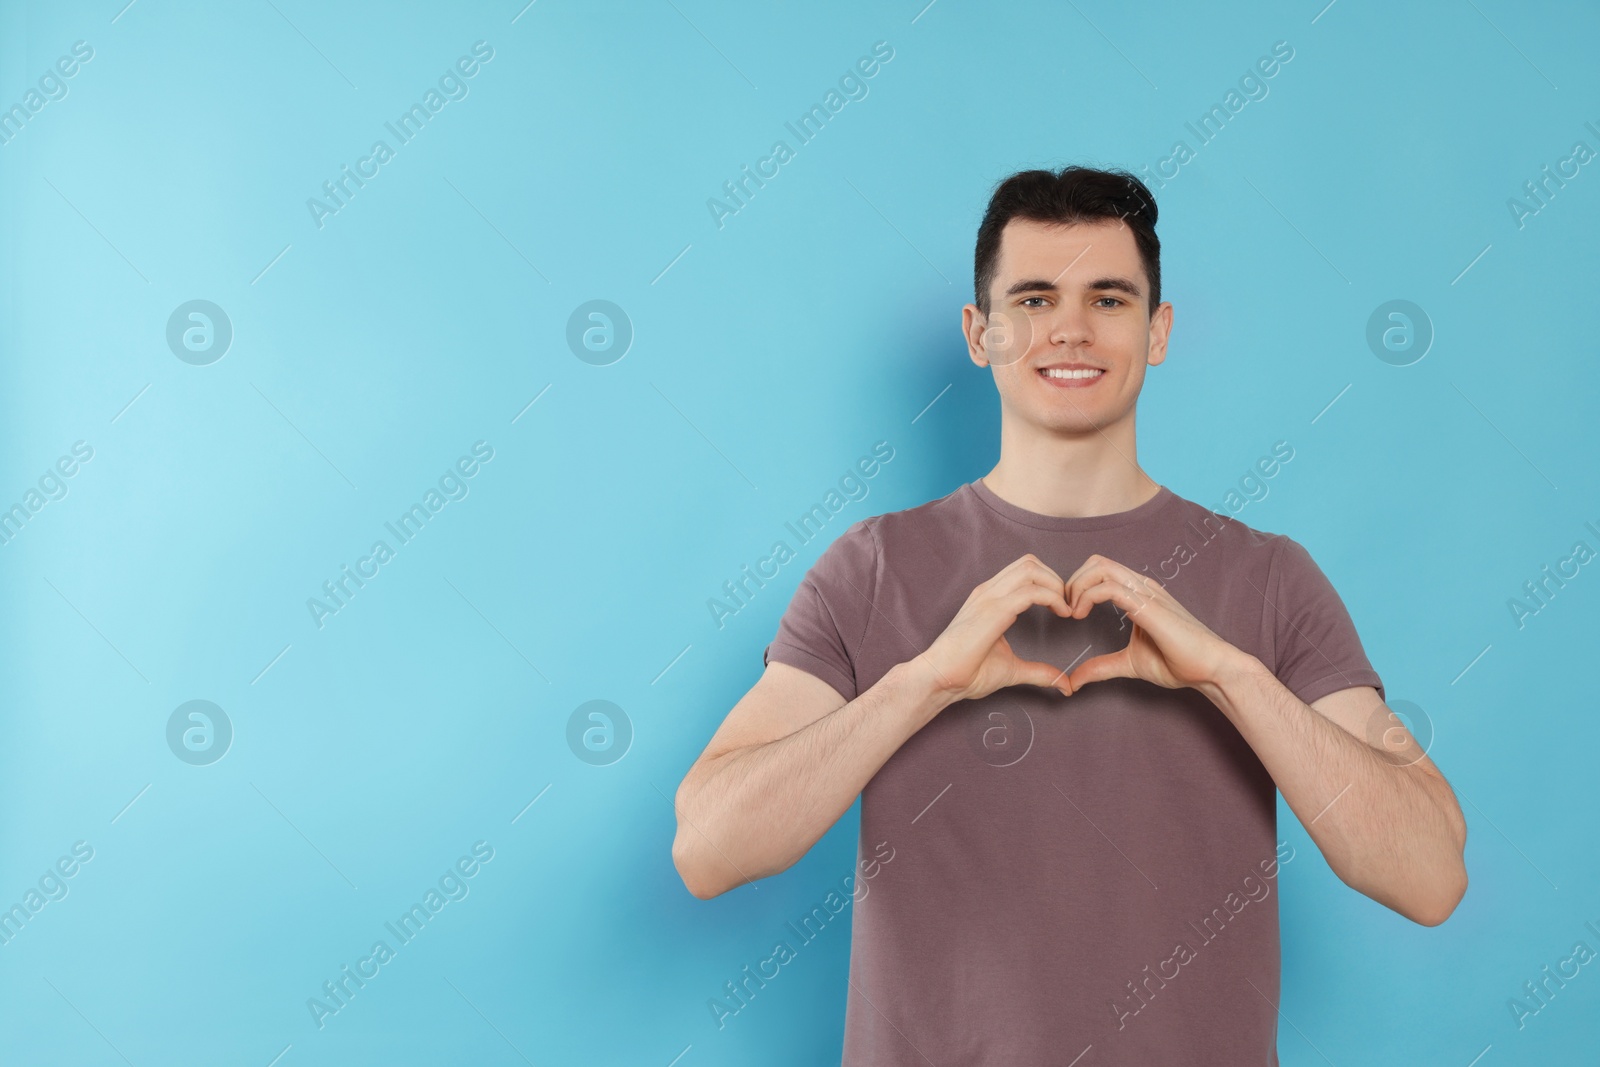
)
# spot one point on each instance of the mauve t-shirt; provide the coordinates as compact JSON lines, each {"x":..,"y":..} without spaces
{"x":1078,"y":880}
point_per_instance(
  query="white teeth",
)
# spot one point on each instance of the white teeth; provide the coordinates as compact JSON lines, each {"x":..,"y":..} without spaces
{"x":1060,"y":372}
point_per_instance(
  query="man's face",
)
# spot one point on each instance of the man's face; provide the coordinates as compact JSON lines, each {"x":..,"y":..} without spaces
{"x":1074,"y":299}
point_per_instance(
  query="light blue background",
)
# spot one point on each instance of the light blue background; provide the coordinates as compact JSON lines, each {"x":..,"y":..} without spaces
{"x":768,"y":355}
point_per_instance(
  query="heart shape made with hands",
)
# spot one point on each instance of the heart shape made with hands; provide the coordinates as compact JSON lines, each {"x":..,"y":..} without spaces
{"x":999,"y":729}
{"x":1040,"y":634}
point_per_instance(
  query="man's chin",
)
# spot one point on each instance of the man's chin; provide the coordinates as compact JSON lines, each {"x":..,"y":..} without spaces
{"x":1068,"y":425}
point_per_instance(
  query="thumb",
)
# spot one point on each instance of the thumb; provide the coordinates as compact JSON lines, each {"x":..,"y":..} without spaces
{"x":1100,"y":669}
{"x":1030,"y":672}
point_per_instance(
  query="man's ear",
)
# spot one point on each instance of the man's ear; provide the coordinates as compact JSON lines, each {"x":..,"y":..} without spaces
{"x":1160,"y":330}
{"x":973,"y":323}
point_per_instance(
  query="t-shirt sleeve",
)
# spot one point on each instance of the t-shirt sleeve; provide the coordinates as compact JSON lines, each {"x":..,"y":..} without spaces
{"x":822,"y":629}
{"x":1316,"y":650}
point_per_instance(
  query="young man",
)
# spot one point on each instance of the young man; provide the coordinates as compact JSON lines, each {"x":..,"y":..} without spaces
{"x":1066,"y":696}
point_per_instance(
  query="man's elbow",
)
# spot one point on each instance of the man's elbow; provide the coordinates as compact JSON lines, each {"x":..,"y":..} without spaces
{"x":690,"y":869}
{"x":1444,"y":903}
{"x":1452,"y":885}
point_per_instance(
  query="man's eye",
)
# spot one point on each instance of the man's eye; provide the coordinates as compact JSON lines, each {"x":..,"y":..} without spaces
{"x":1113,"y":299}
{"x":1026,"y":299}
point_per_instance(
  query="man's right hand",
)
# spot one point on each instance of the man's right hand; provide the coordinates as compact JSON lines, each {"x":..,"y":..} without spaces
{"x":972,"y":658}
{"x":794,"y":754}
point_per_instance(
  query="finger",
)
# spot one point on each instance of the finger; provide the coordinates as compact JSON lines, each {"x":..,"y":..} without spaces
{"x":1046,"y":573}
{"x":1130,"y":600}
{"x":1136,"y":584}
{"x":1090,"y":572}
{"x":1100,"y":565}
{"x":1094,"y":560}
{"x":1117,"y":664}
{"x":1055,"y":595}
{"x":1035,"y":574}
{"x":1044,"y":675}
{"x":1021,"y":574}
{"x":991,"y":613}
{"x":1022,"y":562}
{"x":1020,"y":599}
{"x":1029,"y":568}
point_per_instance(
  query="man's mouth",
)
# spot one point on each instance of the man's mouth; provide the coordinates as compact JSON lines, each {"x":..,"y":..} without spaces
{"x":1071,"y":377}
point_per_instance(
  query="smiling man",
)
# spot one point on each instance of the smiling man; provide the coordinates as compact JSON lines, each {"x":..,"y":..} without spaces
{"x":1075,"y":763}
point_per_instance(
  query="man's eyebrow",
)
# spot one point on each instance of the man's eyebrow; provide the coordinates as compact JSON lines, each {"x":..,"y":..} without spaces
{"x":1116,"y":283}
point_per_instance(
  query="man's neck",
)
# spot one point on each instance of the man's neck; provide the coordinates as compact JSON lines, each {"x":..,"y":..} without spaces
{"x":1076,"y":477}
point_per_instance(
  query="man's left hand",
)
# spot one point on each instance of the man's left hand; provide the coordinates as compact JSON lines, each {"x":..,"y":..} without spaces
{"x":1169,"y":646}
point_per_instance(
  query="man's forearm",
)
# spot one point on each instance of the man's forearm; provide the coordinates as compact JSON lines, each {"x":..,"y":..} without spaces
{"x":754,"y":812}
{"x":1384,"y":829}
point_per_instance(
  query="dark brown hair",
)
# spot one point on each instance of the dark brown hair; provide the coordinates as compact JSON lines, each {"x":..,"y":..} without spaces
{"x":1073,"y":194}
